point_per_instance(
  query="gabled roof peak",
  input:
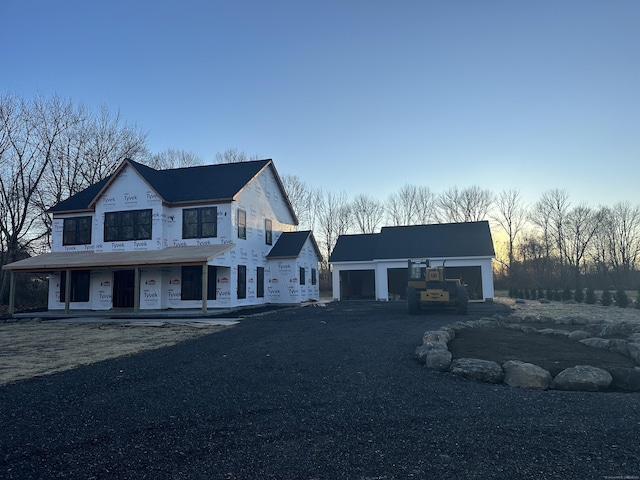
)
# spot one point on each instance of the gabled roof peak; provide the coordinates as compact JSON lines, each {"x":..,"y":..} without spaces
{"x":199,"y":184}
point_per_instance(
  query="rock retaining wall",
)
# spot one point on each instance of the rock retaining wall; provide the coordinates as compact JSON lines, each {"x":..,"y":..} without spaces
{"x":434,"y":353}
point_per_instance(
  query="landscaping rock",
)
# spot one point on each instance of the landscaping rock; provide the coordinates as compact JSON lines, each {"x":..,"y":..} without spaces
{"x":421,"y":353}
{"x":619,"y":346}
{"x":596,"y":342}
{"x":436,"y":336}
{"x":522,"y":328}
{"x":450,"y":331}
{"x":582,"y":378}
{"x":438,"y":360}
{"x":553,"y":332}
{"x":579,"y":335}
{"x":526,"y":375}
{"x":634,"y":351}
{"x":475,"y":369}
{"x":625,"y":378}
{"x":427,"y":347}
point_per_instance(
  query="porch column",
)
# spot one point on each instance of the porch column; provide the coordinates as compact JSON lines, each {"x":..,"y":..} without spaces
{"x":12,"y":293}
{"x":381,"y":282}
{"x":136,"y":290}
{"x":205,"y":286}
{"x":67,"y":291}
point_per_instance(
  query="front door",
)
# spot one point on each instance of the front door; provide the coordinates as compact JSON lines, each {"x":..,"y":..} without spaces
{"x":123,"y":288}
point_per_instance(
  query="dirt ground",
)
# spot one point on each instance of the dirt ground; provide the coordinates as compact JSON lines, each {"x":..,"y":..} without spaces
{"x":29,"y":349}
{"x":552,"y":353}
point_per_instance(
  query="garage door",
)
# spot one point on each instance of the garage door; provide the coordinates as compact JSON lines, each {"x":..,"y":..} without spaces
{"x":357,"y":284}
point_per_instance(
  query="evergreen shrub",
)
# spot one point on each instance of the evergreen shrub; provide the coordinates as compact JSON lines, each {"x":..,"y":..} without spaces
{"x":621,"y":298}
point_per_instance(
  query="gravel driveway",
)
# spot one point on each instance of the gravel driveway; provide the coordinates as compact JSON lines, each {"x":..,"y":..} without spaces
{"x":311,"y":393}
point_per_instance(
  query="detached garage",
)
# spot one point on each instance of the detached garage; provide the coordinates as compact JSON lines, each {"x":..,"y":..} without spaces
{"x":374,"y":266}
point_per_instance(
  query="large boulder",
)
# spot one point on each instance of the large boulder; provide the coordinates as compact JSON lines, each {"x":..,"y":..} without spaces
{"x":625,"y":378}
{"x":436,"y":336}
{"x":579,"y":335}
{"x":423,"y":350}
{"x":421,"y":353}
{"x":475,"y":369}
{"x":634,"y":351}
{"x":526,"y":375}
{"x":438,"y":360}
{"x":582,"y":378}
{"x":619,"y":346}
{"x":596,"y":342}
{"x":554,"y":332}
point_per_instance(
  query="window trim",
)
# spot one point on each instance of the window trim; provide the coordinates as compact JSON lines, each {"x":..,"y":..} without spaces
{"x":314,"y":276}
{"x":302,"y":276}
{"x":199,"y":223}
{"x":77,"y":231}
{"x":137,"y":225}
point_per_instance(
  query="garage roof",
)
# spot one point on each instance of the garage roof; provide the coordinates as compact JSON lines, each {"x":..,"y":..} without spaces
{"x":80,"y":260}
{"x":442,"y":240}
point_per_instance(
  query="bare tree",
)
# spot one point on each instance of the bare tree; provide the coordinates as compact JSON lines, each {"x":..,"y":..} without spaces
{"x":50,"y":149}
{"x":303,"y":199}
{"x":511,"y":216}
{"x":622,"y":236}
{"x":367,"y":213}
{"x":425,"y":206}
{"x":411,"y":205}
{"x":29,"y":131}
{"x":88,"y":150}
{"x":469,"y":205}
{"x":582,"y":223}
{"x":233,"y":155}
{"x":173,"y":158}
{"x":107,"y":143}
{"x":549,"y":214}
{"x":334,"y":218}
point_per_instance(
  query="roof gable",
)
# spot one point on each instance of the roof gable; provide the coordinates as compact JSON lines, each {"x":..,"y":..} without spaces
{"x":443,"y":240}
{"x":201,"y":184}
{"x":290,"y":244}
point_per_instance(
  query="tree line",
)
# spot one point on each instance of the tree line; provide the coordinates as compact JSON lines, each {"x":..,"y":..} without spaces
{"x":52,"y":148}
{"x":551,"y":243}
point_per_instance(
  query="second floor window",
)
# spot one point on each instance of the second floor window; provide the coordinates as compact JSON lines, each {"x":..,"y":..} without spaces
{"x":127,"y":225}
{"x":268,"y":231}
{"x":76,"y":231}
{"x":242,"y":224}
{"x":200,"y":222}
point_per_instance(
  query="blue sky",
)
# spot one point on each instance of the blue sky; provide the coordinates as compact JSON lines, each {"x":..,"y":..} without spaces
{"x":362,"y":96}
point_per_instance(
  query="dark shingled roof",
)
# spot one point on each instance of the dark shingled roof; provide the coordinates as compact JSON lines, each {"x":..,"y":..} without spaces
{"x":289,"y":245}
{"x":443,"y":240}
{"x":207,"y":183}
{"x":82,"y":199}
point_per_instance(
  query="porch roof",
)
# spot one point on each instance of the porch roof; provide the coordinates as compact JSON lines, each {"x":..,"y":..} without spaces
{"x":54,"y":261}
